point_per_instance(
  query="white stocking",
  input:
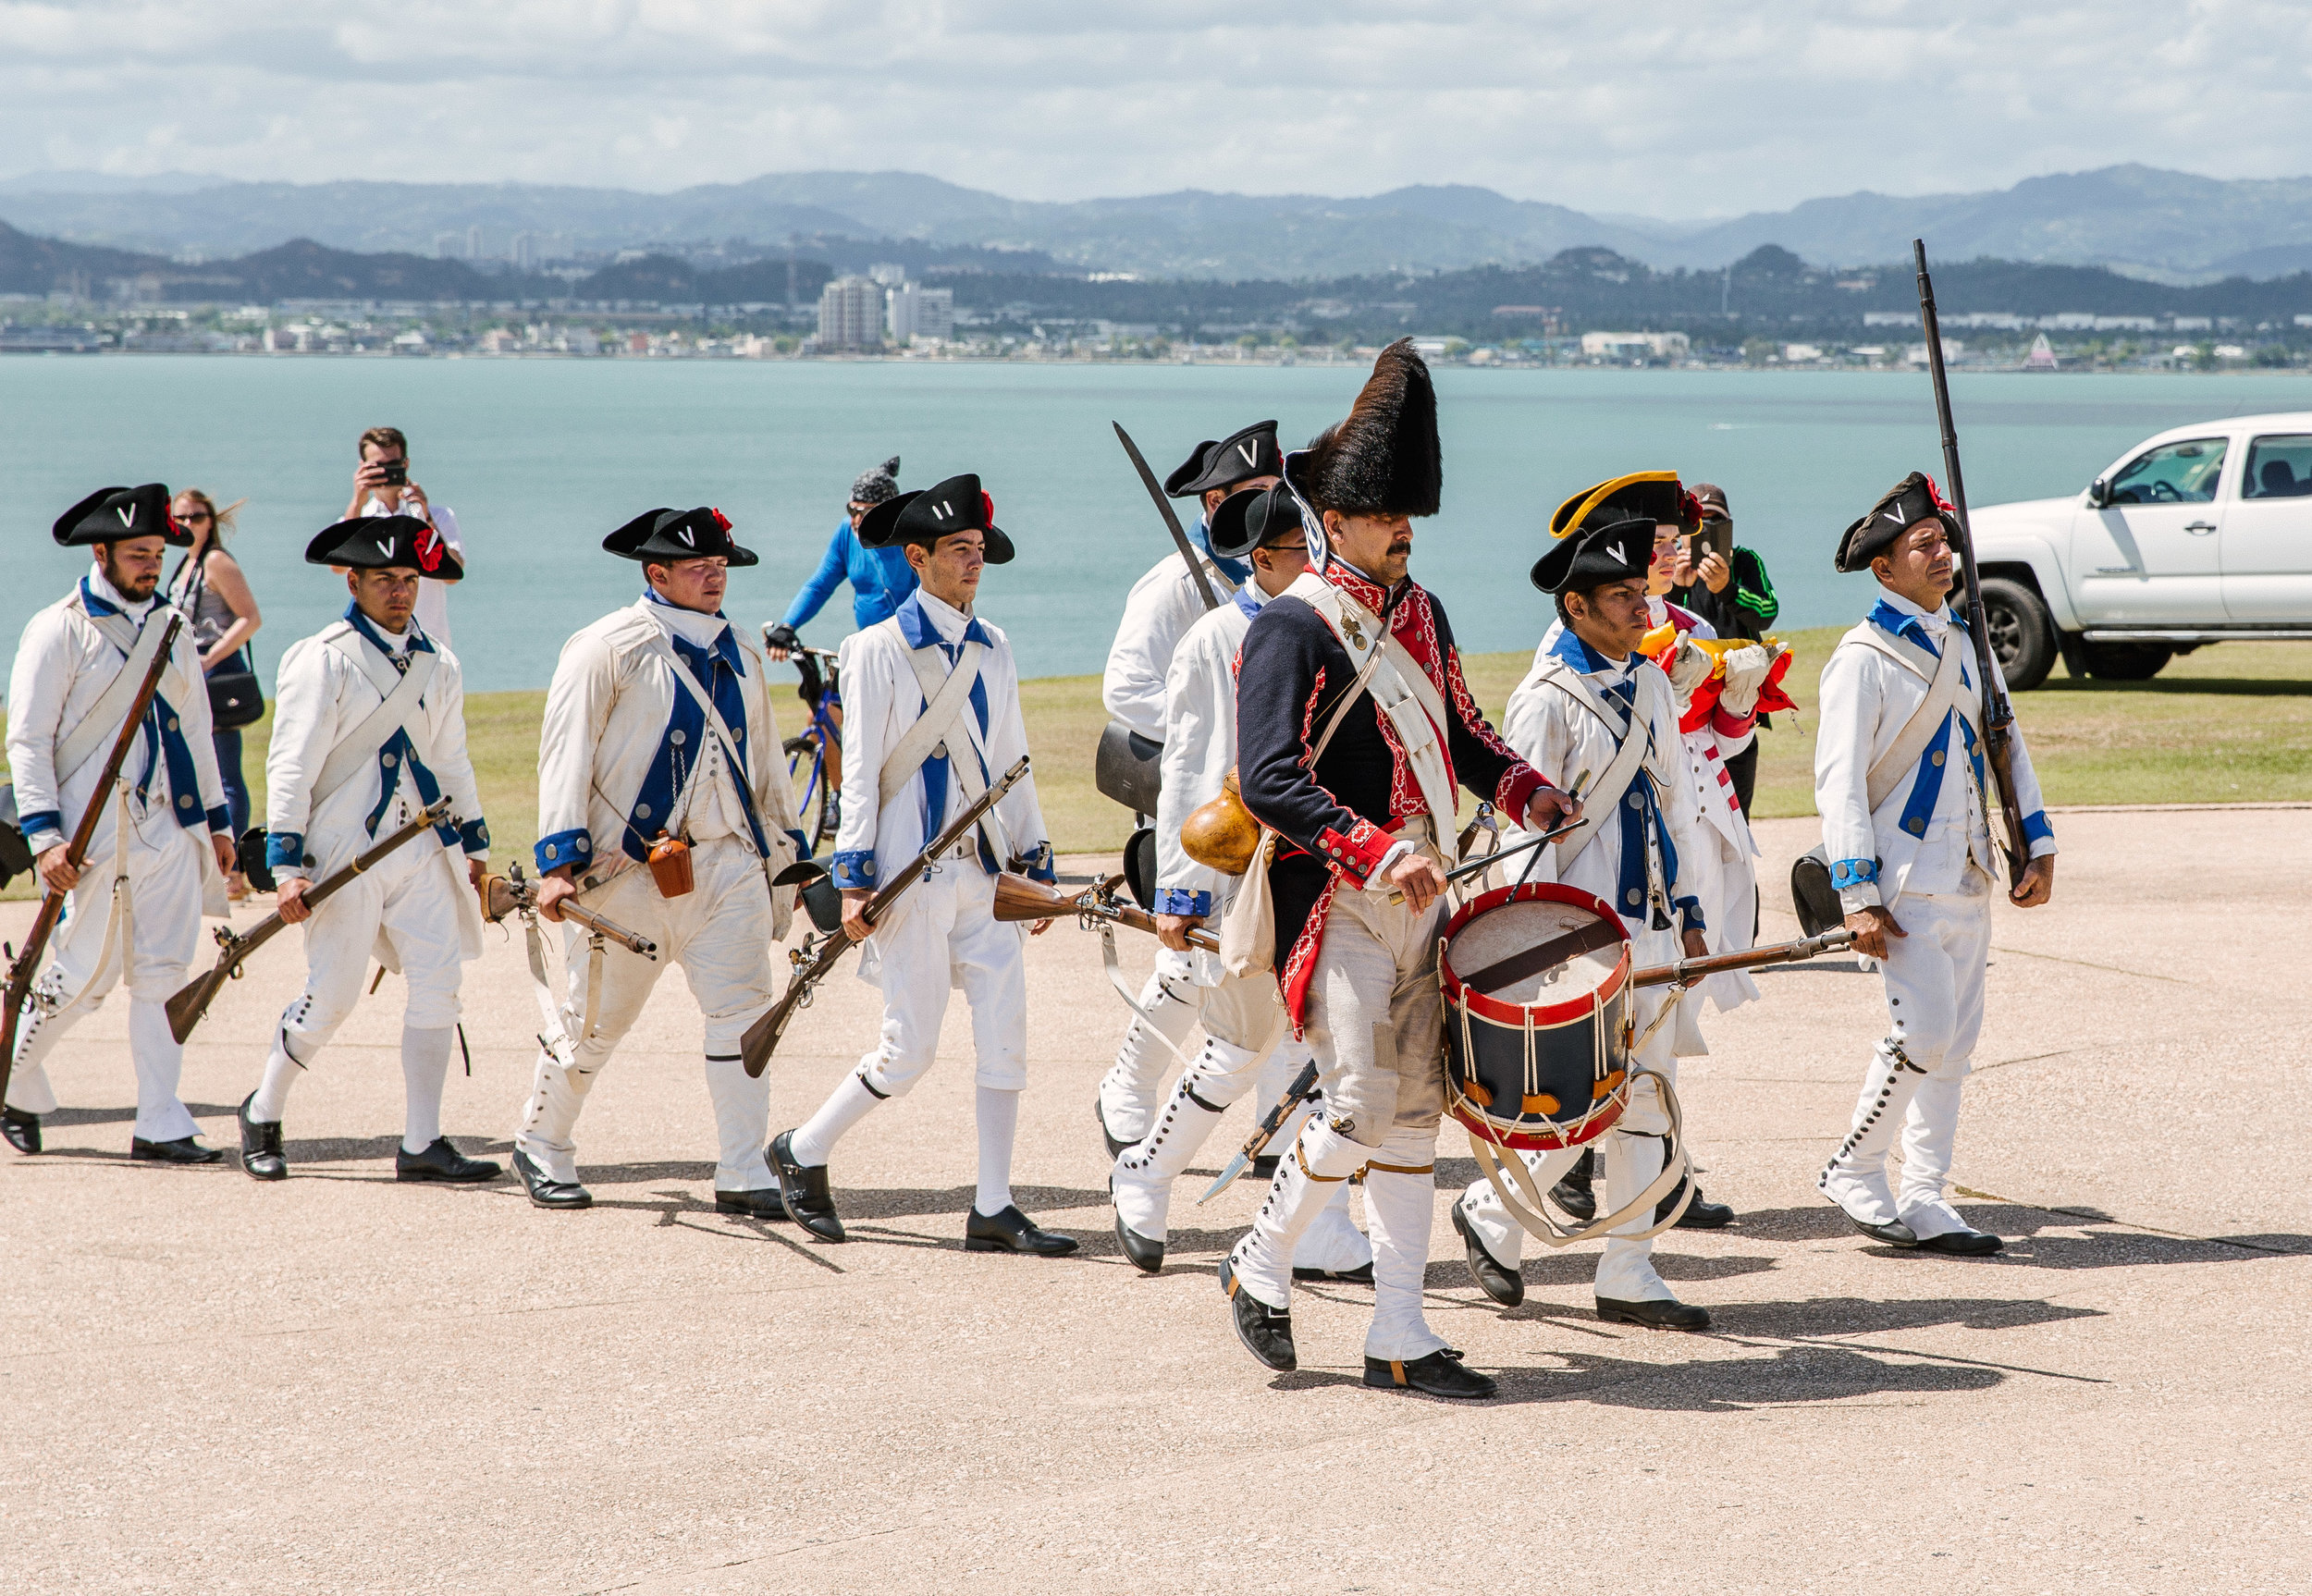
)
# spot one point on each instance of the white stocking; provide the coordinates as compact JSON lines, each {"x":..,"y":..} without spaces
{"x":1400,"y":1208}
{"x":425,"y":1069}
{"x":281,"y":1070}
{"x":845,"y":1106}
{"x":997,"y":1113}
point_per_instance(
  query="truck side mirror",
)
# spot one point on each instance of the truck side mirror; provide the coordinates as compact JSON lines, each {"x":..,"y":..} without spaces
{"x":2100,"y":494}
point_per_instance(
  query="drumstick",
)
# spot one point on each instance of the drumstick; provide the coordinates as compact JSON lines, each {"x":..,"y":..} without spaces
{"x":1534,"y":862}
{"x":1490,"y":860}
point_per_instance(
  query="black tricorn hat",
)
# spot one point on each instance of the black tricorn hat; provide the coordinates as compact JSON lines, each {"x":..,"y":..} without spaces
{"x":1253,"y":518}
{"x":1239,"y":456}
{"x":1914,"y":500}
{"x":116,"y":514}
{"x":1653,"y":496}
{"x":1385,"y":460}
{"x":1614,"y":551}
{"x":927,"y":515}
{"x":386,"y":542}
{"x":658,"y":536}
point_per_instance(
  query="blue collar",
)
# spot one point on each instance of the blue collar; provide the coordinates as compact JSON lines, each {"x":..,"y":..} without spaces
{"x":1201,"y":536}
{"x":1582,"y":657}
{"x":917,"y":628}
{"x":96,"y":605}
{"x":1249,"y":598}
{"x":361,"y":623}
{"x":1904,"y":623}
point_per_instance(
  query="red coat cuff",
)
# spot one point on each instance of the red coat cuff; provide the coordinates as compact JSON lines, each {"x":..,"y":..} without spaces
{"x":1727,"y":724}
{"x":1516,"y":790}
{"x":1356,"y":855}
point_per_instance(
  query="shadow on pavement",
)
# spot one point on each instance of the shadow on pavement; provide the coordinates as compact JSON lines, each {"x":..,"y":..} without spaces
{"x":1717,"y":1385}
{"x":1862,"y":1316}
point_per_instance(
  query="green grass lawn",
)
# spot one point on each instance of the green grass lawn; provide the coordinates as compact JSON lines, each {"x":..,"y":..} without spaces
{"x":2230,"y":723}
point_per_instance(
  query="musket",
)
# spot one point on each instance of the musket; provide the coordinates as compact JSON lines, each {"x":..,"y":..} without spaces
{"x":193,"y":1000}
{"x":1999,"y":713}
{"x":1685,"y":971}
{"x":1019,"y":898}
{"x":1172,"y":523}
{"x":27,"y":963}
{"x":816,"y":958}
{"x":504,"y":895}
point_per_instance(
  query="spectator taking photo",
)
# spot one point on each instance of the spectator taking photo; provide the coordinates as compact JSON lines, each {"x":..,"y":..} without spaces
{"x":382,"y":485}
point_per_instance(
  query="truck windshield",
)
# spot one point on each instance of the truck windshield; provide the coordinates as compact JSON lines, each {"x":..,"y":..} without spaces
{"x":2278,"y":468}
{"x":2172,"y":474}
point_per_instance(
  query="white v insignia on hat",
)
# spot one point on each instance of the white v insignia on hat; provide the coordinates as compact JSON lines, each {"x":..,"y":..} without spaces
{"x":684,"y":534}
{"x":1616,"y":550}
{"x":942,"y":510}
{"x":385,"y":547}
{"x":127,"y":512}
{"x":1252,"y":453}
{"x":1894,"y":513}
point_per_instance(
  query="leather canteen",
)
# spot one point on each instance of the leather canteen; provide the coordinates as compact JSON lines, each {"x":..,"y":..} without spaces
{"x":1222,"y":835}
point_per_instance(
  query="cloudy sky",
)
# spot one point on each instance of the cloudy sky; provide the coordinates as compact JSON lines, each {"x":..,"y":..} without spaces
{"x":1689,"y":110}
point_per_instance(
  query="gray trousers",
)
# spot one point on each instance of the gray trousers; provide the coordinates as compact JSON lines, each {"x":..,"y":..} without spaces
{"x":1375,"y":1019}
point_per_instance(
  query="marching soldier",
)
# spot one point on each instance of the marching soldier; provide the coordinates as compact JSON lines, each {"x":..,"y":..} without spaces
{"x":1596,"y":713}
{"x":1354,"y":727}
{"x":368,"y":731}
{"x":1162,"y":608}
{"x":155,"y":863}
{"x":1911,"y":859}
{"x":933,"y":716}
{"x":663,"y":804}
{"x":1244,"y":1023}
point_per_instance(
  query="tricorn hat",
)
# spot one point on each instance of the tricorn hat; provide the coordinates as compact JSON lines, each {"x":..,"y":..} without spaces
{"x":1655,"y":496}
{"x":927,"y":515}
{"x":1253,"y":518}
{"x":386,"y":542}
{"x":1385,"y":459}
{"x":1239,"y":456}
{"x":1612,"y":551}
{"x":116,"y":514}
{"x":658,"y":536}
{"x":1910,"y":501}
{"x":876,"y":484}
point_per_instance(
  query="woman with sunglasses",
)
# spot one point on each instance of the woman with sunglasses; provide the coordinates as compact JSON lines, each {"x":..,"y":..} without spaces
{"x":211,"y":590}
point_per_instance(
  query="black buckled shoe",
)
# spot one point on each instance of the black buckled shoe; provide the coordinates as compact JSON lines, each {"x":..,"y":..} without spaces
{"x":1961,"y":1244}
{"x":1146,"y":1256}
{"x":1896,"y":1233}
{"x":1100,"y":1112}
{"x":21,"y":1129}
{"x":802,"y":1188}
{"x":183,"y":1151}
{"x":1267,"y":1332}
{"x":1439,"y":1374}
{"x":1013,"y":1230}
{"x":547,"y":1193}
{"x":443,"y":1163}
{"x":1573,"y":1193}
{"x":1701,"y":1214}
{"x":763,"y":1204}
{"x":260,"y":1146}
{"x":1505,"y":1286}
{"x":1360,"y":1275}
{"x":1669,"y":1314}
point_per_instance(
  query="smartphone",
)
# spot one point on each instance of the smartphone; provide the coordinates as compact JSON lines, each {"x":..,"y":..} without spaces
{"x":1715,"y":537}
{"x":397,"y":473}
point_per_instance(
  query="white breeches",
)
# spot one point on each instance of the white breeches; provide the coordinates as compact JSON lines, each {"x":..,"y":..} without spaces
{"x":1934,"y":977}
{"x":942,"y":936}
{"x":409,"y":899}
{"x":86,"y":961}
{"x":719,"y":933}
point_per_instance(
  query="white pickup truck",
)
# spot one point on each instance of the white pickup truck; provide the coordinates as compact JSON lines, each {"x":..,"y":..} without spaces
{"x":2201,"y":534}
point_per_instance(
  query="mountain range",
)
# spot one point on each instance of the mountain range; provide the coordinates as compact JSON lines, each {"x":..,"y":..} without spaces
{"x":2171,"y":226}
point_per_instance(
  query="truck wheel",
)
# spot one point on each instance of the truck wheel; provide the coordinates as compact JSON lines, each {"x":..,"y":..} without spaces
{"x":2126,"y":661}
{"x":2022,"y":636}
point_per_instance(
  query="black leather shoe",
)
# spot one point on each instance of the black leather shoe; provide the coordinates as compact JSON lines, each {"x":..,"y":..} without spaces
{"x":1701,"y":1214}
{"x":1013,"y":1230}
{"x":1100,"y":1112}
{"x":442,"y":1162}
{"x":1895,"y":1235}
{"x":1439,"y":1374}
{"x":1267,"y":1332}
{"x":763,"y":1204}
{"x":21,"y":1129}
{"x":1147,"y":1255}
{"x":1573,"y":1194}
{"x":804,"y":1191}
{"x":183,"y":1151}
{"x":1264,"y":1166}
{"x":1654,"y":1315}
{"x":1505,"y":1286}
{"x":546,"y":1193}
{"x":1961,"y":1244}
{"x":1360,"y":1275}
{"x":260,"y":1146}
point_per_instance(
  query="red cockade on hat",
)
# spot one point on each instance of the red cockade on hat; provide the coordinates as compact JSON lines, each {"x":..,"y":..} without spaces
{"x":429,"y":549}
{"x":721,"y":520}
{"x":987,"y":509}
{"x":1937,"y":495}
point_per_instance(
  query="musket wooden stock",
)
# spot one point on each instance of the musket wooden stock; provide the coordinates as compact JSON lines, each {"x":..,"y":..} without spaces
{"x":1020,"y":898}
{"x":27,"y":964}
{"x":762,"y":1036}
{"x":1690,"y":970}
{"x":1999,"y":713}
{"x":502,"y":897}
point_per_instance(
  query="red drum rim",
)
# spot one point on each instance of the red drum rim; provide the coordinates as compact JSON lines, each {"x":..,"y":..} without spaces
{"x":1543,"y":1014}
{"x":1539,"y":1136}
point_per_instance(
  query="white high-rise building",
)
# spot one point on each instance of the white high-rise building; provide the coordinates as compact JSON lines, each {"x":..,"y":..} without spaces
{"x":851,"y":314}
{"x":890,"y":276}
{"x":916,"y":312}
{"x":525,"y":252}
{"x":448,"y":246}
{"x":473,"y":243}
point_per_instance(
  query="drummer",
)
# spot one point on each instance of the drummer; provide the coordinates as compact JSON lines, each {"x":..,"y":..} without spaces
{"x":1574,"y":718}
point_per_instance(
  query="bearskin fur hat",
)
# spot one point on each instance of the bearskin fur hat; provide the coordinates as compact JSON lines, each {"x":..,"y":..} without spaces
{"x":1385,"y":460}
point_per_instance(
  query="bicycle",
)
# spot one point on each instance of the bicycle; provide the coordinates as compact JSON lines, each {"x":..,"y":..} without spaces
{"x":815,"y":754}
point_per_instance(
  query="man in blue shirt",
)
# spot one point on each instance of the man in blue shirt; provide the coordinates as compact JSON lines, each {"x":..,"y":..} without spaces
{"x":879,"y":578}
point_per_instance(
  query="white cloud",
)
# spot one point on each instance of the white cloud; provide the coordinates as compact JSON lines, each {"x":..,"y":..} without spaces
{"x":1674,"y":110}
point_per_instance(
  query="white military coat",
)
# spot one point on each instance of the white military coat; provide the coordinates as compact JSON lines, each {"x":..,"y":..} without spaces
{"x":1157,"y":614}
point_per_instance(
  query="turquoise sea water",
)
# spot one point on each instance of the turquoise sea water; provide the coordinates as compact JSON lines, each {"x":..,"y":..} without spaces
{"x":541,"y":457}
